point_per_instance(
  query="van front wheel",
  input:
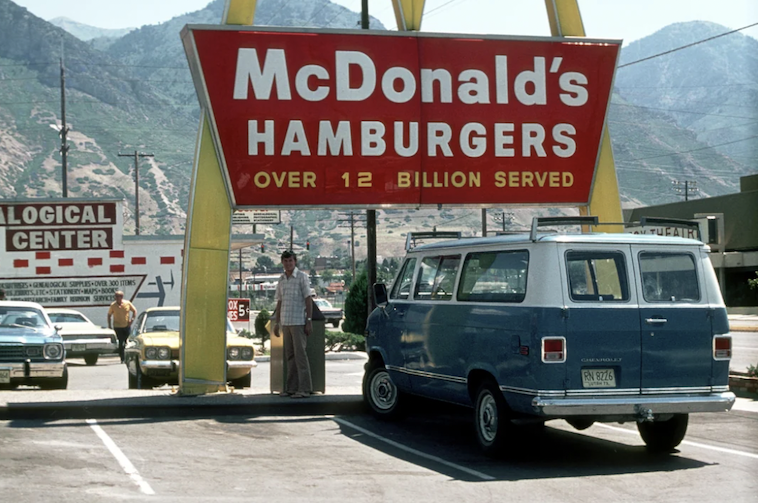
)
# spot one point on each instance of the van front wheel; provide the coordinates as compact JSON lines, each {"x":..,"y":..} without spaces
{"x":663,"y":436}
{"x":381,"y":394}
{"x":491,"y":418}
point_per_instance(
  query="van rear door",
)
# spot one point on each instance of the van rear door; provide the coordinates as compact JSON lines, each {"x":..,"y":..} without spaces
{"x":675,"y":319}
{"x":602,"y":325}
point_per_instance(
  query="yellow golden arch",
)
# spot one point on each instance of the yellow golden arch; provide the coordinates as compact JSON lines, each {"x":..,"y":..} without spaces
{"x":208,"y":233}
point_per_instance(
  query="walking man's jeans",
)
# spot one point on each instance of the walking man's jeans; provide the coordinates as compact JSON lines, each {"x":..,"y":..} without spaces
{"x":298,"y":368}
{"x":121,"y":334}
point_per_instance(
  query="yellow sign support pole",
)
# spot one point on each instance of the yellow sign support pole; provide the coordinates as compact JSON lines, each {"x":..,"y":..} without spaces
{"x":605,"y":202}
{"x":205,"y":272}
{"x":408,"y":14}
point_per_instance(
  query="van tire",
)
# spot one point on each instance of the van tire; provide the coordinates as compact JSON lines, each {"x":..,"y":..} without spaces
{"x":664,"y":436}
{"x":491,"y":418}
{"x":132,"y":380}
{"x":381,"y":395}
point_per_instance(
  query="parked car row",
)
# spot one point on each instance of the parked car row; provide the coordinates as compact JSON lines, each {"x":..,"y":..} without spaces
{"x":35,"y":342}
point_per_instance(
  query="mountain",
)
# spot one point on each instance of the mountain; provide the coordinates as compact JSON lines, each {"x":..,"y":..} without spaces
{"x":86,"y":32}
{"x":709,"y":88}
{"x":671,"y":119}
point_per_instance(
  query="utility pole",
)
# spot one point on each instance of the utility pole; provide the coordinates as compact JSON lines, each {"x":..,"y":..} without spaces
{"x":352,"y":242}
{"x":370,"y":214}
{"x":690,"y":186}
{"x":63,"y":131}
{"x":484,"y":222}
{"x":136,"y":156}
{"x":291,"y":236}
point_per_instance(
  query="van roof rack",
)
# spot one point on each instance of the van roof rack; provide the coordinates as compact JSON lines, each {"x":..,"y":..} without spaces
{"x":594,"y":221}
{"x":412,"y":237}
{"x":538,"y":222}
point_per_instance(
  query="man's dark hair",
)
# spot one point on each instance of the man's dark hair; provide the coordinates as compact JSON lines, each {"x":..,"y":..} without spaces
{"x":288,"y":254}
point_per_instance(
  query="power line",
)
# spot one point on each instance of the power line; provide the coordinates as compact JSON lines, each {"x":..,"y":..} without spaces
{"x":698,"y":149}
{"x":686,"y":46}
{"x":681,"y":111}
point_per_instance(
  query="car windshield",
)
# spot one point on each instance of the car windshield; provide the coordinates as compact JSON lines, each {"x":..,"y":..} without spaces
{"x":323,"y":303}
{"x":162,"y":321}
{"x":21,"y":317}
{"x":67,"y":318}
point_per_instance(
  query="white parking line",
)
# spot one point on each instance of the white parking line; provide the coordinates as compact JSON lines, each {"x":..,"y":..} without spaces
{"x":414,"y":451}
{"x":128,"y":467}
{"x":687,"y":442}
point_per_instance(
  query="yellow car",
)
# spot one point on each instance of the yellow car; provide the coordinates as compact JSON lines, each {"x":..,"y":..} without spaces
{"x":151,"y":354}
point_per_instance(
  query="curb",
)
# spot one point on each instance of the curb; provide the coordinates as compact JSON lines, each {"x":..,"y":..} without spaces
{"x":347,"y":355}
{"x":170,"y":406}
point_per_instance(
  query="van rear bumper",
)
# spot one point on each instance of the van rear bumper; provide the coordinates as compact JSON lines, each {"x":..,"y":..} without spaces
{"x":633,"y":405}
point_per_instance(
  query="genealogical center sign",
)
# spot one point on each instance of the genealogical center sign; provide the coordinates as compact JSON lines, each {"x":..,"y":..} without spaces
{"x":324,"y":118}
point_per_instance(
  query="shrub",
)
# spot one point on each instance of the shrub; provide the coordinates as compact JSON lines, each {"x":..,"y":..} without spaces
{"x":344,"y":341}
{"x":356,"y":306}
{"x":260,"y":326}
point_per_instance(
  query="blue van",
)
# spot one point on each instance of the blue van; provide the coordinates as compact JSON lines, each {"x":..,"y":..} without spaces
{"x":582,"y":327}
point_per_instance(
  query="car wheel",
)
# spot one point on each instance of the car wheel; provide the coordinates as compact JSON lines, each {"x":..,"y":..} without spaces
{"x":336,"y":323}
{"x":90,"y":359}
{"x":491,"y":418}
{"x":382,"y":396}
{"x":57,"y":383}
{"x":663,"y":436}
{"x":142,"y":381}
{"x":132,"y":378}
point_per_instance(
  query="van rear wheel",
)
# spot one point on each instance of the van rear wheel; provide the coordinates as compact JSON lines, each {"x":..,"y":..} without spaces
{"x":381,"y":395}
{"x":491,"y":418}
{"x":663,"y":436}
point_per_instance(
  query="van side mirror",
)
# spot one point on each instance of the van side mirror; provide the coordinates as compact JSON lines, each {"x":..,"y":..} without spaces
{"x":380,"y":294}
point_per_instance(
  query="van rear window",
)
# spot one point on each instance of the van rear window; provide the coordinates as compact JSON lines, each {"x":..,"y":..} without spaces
{"x":494,"y":277}
{"x":669,"y":277}
{"x":597,"y":276}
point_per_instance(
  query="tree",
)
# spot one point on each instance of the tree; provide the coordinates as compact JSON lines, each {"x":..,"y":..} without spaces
{"x":327,"y":276}
{"x":356,"y":306}
{"x":265,"y":263}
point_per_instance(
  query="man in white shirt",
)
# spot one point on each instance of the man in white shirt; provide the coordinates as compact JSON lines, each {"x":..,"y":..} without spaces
{"x":294,"y":308}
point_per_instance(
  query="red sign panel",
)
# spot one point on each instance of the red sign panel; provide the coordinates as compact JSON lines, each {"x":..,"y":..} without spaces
{"x":328,"y":119}
{"x":238,"y":309}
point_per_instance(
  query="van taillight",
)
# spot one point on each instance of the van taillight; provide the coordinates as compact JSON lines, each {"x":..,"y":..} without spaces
{"x":722,"y":347}
{"x":554,"y":349}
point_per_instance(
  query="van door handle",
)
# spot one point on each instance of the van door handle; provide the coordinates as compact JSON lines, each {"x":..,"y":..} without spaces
{"x":400,"y":314}
{"x":655,"y":321}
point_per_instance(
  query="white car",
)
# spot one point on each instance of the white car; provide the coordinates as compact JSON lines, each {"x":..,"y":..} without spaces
{"x":81,"y":337}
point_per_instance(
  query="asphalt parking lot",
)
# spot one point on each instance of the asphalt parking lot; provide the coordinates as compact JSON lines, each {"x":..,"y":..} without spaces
{"x":254,"y":446}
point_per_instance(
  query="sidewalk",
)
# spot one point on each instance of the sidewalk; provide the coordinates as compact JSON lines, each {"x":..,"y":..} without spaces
{"x":743,"y":322}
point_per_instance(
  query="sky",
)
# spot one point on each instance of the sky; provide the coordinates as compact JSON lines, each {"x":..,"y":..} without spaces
{"x":629,"y":20}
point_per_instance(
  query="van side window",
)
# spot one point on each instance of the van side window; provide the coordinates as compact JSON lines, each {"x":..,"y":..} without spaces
{"x":437,"y":278}
{"x":669,"y":277}
{"x":494,"y":277}
{"x":402,"y":287}
{"x":597,"y":276}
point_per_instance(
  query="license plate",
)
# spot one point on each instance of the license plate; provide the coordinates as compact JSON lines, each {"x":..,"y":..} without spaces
{"x":76,"y":348}
{"x":598,"y":378}
{"x":5,"y":375}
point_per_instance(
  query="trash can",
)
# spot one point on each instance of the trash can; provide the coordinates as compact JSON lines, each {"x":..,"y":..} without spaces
{"x":315,"y":350}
